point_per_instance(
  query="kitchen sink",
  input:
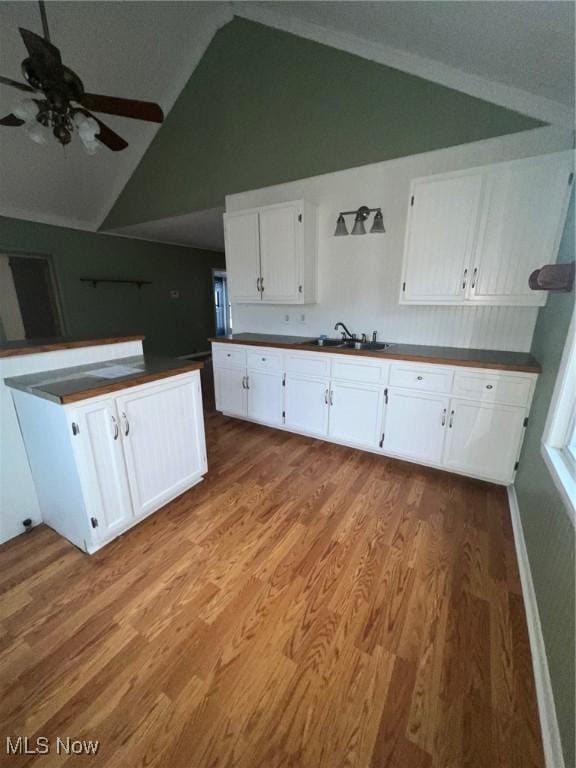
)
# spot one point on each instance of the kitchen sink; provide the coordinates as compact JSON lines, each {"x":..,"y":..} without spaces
{"x":374,"y":346}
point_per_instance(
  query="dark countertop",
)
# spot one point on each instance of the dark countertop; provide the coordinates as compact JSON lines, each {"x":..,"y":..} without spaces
{"x":472,"y":358}
{"x":68,"y":385}
{"x":33,"y":346}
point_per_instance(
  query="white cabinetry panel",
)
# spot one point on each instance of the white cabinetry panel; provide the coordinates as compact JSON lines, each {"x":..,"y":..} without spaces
{"x":415,"y":425}
{"x":163,"y":435}
{"x":98,"y":446}
{"x":280,"y":244}
{"x":521,"y":219}
{"x":483,"y":439}
{"x":265,"y":397}
{"x":306,"y":404}
{"x":230,"y":390}
{"x":243,"y":255}
{"x":356,"y":413}
{"x":440,"y":238}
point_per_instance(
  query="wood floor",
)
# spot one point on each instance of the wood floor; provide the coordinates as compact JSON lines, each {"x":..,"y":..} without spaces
{"x":307,"y":605}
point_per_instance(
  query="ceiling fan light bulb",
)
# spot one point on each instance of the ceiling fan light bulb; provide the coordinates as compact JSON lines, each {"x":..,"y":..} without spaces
{"x":26,"y":110}
{"x":37,"y":133}
{"x":88,"y":129}
{"x":91,"y":147}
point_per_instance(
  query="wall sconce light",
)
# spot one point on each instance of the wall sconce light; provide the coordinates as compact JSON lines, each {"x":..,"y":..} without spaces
{"x":360,"y":217}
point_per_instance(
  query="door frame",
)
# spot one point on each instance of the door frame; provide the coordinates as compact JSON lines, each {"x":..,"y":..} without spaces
{"x":54,"y":281}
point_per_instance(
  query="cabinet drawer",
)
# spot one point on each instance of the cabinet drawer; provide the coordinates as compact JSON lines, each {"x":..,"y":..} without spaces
{"x":265,"y":360}
{"x":308,"y":364}
{"x":492,"y":388}
{"x":427,"y":378}
{"x":228,"y":356}
{"x":356,"y":369}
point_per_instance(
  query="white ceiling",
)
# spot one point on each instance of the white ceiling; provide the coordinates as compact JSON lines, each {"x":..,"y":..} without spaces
{"x":199,"y":229}
{"x":524,"y":45}
{"x":518,"y":54}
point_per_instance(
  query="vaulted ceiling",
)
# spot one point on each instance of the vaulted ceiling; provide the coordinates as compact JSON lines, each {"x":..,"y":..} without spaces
{"x":515,"y":54}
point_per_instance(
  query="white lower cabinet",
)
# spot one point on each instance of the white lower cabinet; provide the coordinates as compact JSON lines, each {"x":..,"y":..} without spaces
{"x":100,"y":461}
{"x":356,"y":413}
{"x":465,"y":420}
{"x":230,"y":391}
{"x":102,"y":464}
{"x":264,"y":397}
{"x":415,"y":425}
{"x":163,"y":438}
{"x":306,"y":404}
{"x":483,"y":439}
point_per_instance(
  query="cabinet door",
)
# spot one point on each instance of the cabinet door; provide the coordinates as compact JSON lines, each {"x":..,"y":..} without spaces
{"x":415,"y":425}
{"x":523,"y":211}
{"x":243,"y":256}
{"x":356,"y":413}
{"x":306,"y":404}
{"x":280,"y":252}
{"x":440,"y":232}
{"x":483,"y":439}
{"x":265,"y":397}
{"x":230,"y":390}
{"x":163,"y":436}
{"x":102,"y":469}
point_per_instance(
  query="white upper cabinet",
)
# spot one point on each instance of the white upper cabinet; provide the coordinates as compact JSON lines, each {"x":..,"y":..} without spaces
{"x":243,"y":256}
{"x":440,"y":238}
{"x":520,"y":226}
{"x":271,"y":254}
{"x":474,"y":237}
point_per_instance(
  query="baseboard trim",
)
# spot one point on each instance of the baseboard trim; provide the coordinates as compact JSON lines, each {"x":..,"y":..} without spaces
{"x":546,"y":708}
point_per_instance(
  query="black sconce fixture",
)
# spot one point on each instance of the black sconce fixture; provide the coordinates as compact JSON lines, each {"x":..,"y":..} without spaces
{"x":360,"y":217}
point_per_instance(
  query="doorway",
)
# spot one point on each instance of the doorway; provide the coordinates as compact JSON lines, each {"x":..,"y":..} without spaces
{"x":222,"y":307}
{"x":29,"y":307}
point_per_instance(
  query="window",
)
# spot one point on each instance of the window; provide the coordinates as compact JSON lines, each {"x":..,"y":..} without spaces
{"x":559,"y":438}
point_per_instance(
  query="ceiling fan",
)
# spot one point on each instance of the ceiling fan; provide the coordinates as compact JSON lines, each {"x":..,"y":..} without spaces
{"x":61,"y":103}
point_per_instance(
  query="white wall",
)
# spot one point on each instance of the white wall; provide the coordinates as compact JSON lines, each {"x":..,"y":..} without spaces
{"x":359,"y":277}
{"x":18,"y":499}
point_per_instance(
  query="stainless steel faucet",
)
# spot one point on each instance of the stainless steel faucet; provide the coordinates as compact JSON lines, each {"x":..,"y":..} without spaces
{"x":345,"y":332}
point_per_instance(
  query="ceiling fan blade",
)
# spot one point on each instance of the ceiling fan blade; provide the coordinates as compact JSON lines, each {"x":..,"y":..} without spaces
{"x":15,"y":84}
{"x":11,"y":120}
{"x":106,"y":135}
{"x":45,"y":55}
{"x":110,"y":105}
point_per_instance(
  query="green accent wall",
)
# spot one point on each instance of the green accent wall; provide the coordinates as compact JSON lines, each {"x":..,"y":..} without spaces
{"x":265,"y":107}
{"x":548,"y":531}
{"x":171,"y":326}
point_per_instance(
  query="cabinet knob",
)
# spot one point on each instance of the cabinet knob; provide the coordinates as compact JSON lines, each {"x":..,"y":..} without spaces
{"x":263,"y":359}
{"x":419,"y":378}
{"x":489,"y":386}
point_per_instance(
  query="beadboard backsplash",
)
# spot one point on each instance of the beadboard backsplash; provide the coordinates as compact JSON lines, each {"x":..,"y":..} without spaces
{"x":359,"y":277}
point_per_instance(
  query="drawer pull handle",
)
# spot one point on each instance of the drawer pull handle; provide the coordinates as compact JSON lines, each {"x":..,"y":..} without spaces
{"x":126,"y":424}
{"x":489,"y":386}
{"x":444,"y":417}
{"x":451,"y":419}
{"x":419,"y":378}
{"x":326,"y":396}
{"x":116,"y":429}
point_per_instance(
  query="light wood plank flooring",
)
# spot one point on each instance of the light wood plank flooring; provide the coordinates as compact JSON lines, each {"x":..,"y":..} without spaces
{"x":307,"y":605}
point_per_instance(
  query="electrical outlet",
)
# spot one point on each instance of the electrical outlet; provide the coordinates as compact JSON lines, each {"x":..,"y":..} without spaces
{"x":286,"y":318}
{"x":302,"y":318}
{"x":174,"y":294}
